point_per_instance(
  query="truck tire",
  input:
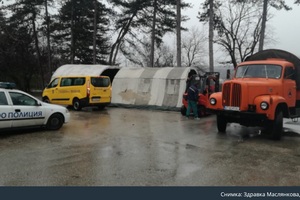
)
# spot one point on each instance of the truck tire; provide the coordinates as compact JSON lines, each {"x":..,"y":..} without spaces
{"x":183,"y":110}
{"x":55,"y":122}
{"x":221,"y":123}
{"x":76,"y":104}
{"x":276,"y":125}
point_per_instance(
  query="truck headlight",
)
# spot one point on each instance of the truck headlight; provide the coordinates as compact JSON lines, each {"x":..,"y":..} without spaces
{"x":213,"y":101}
{"x":264,"y":105}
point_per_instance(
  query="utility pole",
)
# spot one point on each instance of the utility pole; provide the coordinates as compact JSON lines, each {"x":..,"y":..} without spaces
{"x":153,"y":34}
{"x":178,"y":29}
{"x":95,"y":32}
{"x":263,"y":26}
{"x":211,"y":36}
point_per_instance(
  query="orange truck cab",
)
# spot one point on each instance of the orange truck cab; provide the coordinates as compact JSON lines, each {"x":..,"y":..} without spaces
{"x":207,"y":84}
{"x":264,"y":90}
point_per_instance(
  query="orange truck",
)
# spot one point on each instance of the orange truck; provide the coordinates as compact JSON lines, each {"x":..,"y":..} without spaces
{"x":207,"y":84}
{"x":264,"y":90}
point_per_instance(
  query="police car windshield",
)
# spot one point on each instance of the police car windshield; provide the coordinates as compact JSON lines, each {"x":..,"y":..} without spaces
{"x":259,"y":71}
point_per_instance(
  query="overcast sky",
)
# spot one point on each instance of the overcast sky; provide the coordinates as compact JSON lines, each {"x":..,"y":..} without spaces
{"x":285,"y":26}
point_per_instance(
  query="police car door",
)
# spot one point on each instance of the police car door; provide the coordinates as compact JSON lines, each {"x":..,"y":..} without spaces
{"x":5,"y":108}
{"x":26,"y":110}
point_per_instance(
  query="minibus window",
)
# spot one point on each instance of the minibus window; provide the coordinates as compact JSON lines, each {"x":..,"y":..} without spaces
{"x":79,"y":81}
{"x":65,"y":82}
{"x":100,"y":82}
{"x":72,"y":81}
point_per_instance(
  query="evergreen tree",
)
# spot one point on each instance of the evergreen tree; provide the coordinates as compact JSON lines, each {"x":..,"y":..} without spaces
{"x":24,"y":20}
{"x":154,"y":18}
{"x":125,"y":21}
{"x":74,"y":32}
{"x":163,"y":15}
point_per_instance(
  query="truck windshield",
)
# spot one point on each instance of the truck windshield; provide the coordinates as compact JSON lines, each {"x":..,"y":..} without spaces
{"x":259,"y":71}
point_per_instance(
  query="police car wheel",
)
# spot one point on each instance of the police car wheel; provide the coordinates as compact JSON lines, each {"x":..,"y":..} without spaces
{"x":55,"y":122}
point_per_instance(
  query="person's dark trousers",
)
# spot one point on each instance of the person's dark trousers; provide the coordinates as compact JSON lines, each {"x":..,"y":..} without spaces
{"x":192,"y":105}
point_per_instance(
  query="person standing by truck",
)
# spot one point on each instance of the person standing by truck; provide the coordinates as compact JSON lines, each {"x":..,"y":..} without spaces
{"x":192,"y":98}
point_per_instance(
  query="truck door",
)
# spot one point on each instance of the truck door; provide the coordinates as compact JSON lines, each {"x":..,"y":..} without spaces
{"x":5,"y":108}
{"x":289,"y":86}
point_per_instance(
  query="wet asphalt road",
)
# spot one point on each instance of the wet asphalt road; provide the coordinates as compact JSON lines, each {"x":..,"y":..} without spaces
{"x":132,"y":147}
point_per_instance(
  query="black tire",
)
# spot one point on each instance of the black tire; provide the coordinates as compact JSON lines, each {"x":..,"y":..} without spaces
{"x":46,"y":100}
{"x":221,"y":123}
{"x":275,"y":126}
{"x":76,"y":104}
{"x":55,"y":122}
{"x":101,"y":107}
{"x":183,"y":110}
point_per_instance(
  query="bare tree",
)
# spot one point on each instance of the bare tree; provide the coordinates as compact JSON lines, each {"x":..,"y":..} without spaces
{"x":239,"y":29}
{"x":193,"y":48}
{"x":278,"y":4}
{"x":138,"y":49}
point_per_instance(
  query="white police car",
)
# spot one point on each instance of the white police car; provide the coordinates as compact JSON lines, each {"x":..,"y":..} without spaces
{"x":21,"y":110}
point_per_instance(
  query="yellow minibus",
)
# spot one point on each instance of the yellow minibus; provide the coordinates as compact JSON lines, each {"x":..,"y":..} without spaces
{"x":79,"y":91}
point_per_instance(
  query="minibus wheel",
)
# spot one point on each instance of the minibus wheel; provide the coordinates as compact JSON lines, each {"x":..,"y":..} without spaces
{"x":76,"y":104}
{"x":101,"y":107}
{"x":46,"y":100}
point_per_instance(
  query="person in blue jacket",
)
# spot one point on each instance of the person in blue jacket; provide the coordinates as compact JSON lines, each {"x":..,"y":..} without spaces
{"x":192,"y":98}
